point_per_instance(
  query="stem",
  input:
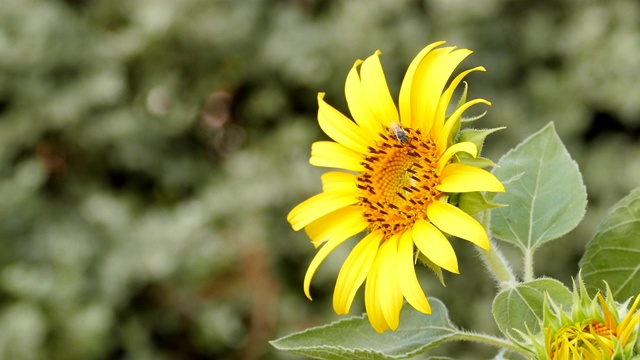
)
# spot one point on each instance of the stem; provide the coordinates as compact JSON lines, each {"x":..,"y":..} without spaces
{"x":498,"y":267}
{"x":528,"y":265}
{"x":493,"y":341}
{"x":494,"y":260}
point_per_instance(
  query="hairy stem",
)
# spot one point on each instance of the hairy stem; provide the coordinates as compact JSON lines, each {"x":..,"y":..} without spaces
{"x":493,"y":341}
{"x":495,"y":261}
{"x":528,"y":265}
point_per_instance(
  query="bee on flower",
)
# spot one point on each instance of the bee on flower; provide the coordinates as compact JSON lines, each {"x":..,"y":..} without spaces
{"x":396,"y":169}
{"x":400,"y":134}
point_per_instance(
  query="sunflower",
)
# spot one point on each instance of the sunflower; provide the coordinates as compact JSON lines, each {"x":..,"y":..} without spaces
{"x":396,"y":173}
{"x":596,"y":328}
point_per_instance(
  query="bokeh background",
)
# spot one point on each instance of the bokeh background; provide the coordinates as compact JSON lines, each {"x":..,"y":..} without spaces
{"x":150,"y":150}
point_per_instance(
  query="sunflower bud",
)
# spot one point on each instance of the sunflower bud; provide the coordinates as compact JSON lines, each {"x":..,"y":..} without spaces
{"x":594,"y":328}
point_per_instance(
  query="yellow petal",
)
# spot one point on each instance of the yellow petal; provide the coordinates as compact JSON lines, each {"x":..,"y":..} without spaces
{"x":348,"y":220}
{"x":411,"y":77}
{"x":372,"y":301}
{"x":358,"y":105}
{"x":458,"y":178}
{"x":333,"y":155}
{"x":389,"y":291}
{"x":435,"y":246}
{"x":318,"y":206}
{"x":443,"y":104}
{"x":439,"y":77}
{"x":628,"y":324}
{"x":340,"y":128}
{"x":456,"y":222}
{"x":465,"y":146}
{"x":444,"y":137}
{"x":354,"y":271}
{"x":421,"y":118}
{"x":376,"y":91}
{"x":407,"y":278}
{"x":432,"y":75}
{"x":324,"y":251}
{"x":338,"y":180}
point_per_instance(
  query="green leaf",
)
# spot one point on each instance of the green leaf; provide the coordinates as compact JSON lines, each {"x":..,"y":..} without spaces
{"x":613,"y":255}
{"x":545,"y":194}
{"x":521,"y":306}
{"x":354,"y":338}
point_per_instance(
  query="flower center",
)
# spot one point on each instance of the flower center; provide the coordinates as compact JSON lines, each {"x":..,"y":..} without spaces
{"x":582,"y":340}
{"x":399,"y":181}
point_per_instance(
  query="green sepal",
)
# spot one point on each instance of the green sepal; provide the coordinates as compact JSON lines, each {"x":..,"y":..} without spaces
{"x":477,"y":136}
{"x":479,"y":161}
{"x":462,"y":101}
{"x":463,"y":96}
{"x":475,"y":202}
{"x":435,"y":268}
{"x":468,"y":119}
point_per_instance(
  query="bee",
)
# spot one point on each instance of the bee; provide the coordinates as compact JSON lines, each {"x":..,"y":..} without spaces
{"x":399,"y":132}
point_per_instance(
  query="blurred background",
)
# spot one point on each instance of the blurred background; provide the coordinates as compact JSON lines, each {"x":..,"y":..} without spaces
{"x":150,"y":150}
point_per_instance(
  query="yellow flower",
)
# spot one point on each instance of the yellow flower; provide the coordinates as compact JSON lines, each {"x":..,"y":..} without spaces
{"x":398,"y":169}
{"x":593,"y":330}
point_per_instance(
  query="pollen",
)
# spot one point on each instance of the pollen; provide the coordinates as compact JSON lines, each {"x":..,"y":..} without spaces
{"x":599,"y":329}
{"x":399,"y":181}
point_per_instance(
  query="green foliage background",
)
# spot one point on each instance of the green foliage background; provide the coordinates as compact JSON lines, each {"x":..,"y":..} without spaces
{"x":150,"y":150}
